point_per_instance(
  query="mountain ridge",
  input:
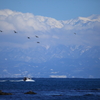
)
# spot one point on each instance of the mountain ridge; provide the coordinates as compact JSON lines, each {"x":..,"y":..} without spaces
{"x":54,"y":63}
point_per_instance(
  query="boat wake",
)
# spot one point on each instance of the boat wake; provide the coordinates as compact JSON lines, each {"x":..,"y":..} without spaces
{"x":17,"y":81}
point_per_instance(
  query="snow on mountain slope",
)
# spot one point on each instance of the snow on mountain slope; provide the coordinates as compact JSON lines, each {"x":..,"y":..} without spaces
{"x":70,"y":47}
{"x":70,"y":61}
{"x":29,"y":22}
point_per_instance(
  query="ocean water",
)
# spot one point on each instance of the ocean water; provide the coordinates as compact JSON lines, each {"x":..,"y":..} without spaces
{"x":51,"y":89}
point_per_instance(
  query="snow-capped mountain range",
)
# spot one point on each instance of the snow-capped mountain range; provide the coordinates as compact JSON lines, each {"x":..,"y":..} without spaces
{"x":29,"y":22}
{"x":70,"y":61}
{"x":69,"y":48}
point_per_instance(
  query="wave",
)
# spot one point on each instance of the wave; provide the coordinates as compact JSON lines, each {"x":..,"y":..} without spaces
{"x":3,"y":80}
{"x":16,"y":81}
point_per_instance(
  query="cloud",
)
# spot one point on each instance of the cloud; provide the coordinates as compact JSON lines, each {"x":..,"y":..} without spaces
{"x":27,"y":21}
{"x":50,"y":31}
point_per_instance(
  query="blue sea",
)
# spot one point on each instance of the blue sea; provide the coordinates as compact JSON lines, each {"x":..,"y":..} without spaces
{"x":51,"y":89}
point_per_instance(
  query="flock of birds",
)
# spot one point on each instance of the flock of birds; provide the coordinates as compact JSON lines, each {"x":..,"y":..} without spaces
{"x":27,"y":37}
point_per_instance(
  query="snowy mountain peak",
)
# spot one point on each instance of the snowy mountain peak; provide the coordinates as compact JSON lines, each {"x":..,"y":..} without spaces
{"x":90,"y":18}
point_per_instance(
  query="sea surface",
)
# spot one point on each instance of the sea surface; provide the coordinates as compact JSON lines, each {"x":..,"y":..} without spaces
{"x":51,"y":89}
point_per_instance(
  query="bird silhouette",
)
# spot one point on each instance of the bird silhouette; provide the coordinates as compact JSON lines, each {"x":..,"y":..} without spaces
{"x":0,"y":30}
{"x":15,"y":32}
{"x":28,"y":37}
{"x":75,"y":33}
{"x":36,"y":36}
{"x":38,"y":42}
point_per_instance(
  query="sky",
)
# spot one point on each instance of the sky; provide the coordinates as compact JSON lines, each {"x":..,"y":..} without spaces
{"x":58,"y":9}
{"x":52,"y":20}
{"x":59,"y":24}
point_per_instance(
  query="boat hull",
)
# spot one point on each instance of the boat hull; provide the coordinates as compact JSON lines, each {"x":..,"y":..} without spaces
{"x":30,"y":81}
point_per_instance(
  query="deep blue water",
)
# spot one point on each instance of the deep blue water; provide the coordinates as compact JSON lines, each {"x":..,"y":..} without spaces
{"x":51,"y":89}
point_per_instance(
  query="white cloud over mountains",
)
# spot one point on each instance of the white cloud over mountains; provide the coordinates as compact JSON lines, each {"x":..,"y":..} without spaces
{"x":49,"y":30}
{"x":26,"y":21}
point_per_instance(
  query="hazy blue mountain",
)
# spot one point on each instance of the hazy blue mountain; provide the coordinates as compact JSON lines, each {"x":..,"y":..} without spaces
{"x":72,"y":61}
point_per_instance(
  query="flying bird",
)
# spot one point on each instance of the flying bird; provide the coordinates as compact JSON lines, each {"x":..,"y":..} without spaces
{"x":38,"y":42}
{"x":28,"y":37}
{"x":0,"y":30}
{"x":75,"y":33}
{"x":36,"y":36}
{"x":15,"y":32}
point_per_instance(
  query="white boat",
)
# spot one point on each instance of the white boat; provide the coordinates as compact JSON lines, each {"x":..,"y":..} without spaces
{"x":28,"y":79}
